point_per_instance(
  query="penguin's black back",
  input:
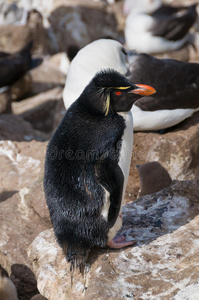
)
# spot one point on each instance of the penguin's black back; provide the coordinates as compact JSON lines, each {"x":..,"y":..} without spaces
{"x":74,"y":195}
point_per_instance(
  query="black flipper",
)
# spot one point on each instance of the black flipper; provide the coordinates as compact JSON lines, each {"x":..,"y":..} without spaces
{"x":111,"y":178}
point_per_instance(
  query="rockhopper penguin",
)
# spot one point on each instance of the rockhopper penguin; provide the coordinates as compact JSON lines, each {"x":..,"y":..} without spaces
{"x":87,"y":166}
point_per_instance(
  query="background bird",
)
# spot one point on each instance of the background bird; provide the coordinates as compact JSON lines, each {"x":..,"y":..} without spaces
{"x":153,"y":178}
{"x":11,"y":13}
{"x":15,"y":65}
{"x":152,"y":27}
{"x":176,"y":83}
{"x":7,"y":287}
{"x":87,"y":166}
{"x":98,"y":55}
{"x":177,"y":86}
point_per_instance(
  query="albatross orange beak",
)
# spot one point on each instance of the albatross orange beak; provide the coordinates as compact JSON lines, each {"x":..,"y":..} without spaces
{"x":143,"y":90}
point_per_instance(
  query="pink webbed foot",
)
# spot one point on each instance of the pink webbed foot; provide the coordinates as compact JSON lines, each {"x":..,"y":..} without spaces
{"x":119,"y":242}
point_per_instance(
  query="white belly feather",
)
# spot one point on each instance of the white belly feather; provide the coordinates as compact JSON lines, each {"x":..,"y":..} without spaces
{"x":124,"y":163}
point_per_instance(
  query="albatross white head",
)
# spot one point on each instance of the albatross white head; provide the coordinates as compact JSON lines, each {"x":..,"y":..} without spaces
{"x":98,"y":55}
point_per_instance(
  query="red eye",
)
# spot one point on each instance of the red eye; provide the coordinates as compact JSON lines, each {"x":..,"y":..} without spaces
{"x":118,"y":93}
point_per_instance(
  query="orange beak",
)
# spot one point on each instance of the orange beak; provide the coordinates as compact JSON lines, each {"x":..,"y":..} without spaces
{"x":143,"y":90}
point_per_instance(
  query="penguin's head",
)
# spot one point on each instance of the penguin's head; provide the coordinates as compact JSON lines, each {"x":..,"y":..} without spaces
{"x":110,"y":92}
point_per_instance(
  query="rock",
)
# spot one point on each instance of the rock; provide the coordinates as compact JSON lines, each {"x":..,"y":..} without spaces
{"x":59,"y":112}
{"x":177,"y":150}
{"x":22,"y":199}
{"x":117,"y":9}
{"x":38,"y":297}
{"x":20,"y":164}
{"x":40,"y":110}
{"x":13,"y":38}
{"x":61,"y":60}
{"x":23,"y":224}
{"x":45,"y":253}
{"x":194,"y":55}
{"x":37,"y":200}
{"x":5,"y":100}
{"x":46,"y":77}
{"x":6,"y":194}
{"x":163,"y":263}
{"x":22,"y":87}
{"x":14,"y":128}
{"x":70,"y":27}
{"x":181,"y":54}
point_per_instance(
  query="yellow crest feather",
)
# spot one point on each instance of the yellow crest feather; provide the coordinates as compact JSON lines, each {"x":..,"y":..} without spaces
{"x":122,"y":88}
{"x":107,"y":104}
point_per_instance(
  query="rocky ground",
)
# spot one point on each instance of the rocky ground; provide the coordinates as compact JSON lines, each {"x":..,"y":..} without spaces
{"x":163,"y":263}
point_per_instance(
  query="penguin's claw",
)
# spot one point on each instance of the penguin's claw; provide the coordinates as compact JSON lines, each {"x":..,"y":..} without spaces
{"x":119,"y":242}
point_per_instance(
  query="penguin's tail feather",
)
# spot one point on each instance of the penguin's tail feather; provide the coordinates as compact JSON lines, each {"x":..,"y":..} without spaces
{"x":77,"y":258}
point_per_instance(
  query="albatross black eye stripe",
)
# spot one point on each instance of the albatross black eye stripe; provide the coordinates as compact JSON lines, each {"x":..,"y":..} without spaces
{"x":124,"y":51}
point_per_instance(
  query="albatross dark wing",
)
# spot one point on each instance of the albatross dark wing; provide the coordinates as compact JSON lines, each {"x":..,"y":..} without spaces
{"x":176,"y":82}
{"x":173,"y":23}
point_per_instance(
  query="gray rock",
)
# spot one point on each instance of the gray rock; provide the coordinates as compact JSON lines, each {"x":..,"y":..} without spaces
{"x":38,"y":297}
{"x":40,"y":110}
{"x":14,"y":128}
{"x":22,"y":87}
{"x":20,"y":164}
{"x":161,"y":264}
{"x":5,"y":100}
{"x":46,"y":77}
